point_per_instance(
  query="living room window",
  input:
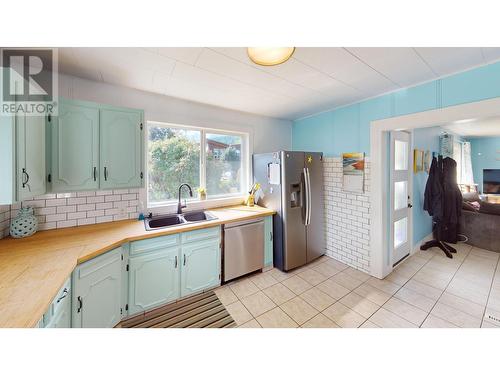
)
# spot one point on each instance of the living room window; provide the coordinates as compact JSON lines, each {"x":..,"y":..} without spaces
{"x":210,"y":159}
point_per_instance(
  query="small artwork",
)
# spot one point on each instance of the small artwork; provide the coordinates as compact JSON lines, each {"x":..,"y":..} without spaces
{"x":418,"y":161}
{"x":353,"y":167}
{"x":427,"y":161}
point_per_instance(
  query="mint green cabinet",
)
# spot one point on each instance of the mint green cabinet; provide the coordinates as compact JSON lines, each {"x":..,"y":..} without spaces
{"x":268,"y":241}
{"x":94,"y":146}
{"x":59,"y":312}
{"x":153,"y":279}
{"x":75,"y":147}
{"x":120,"y":148}
{"x":201,"y":262}
{"x":96,"y":297}
{"x":22,"y":157}
{"x":31,"y":156}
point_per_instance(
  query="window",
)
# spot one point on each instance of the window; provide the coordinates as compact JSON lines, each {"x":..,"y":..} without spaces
{"x":214,"y":160}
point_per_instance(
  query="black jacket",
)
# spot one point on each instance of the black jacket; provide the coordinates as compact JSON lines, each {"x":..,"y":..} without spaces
{"x":443,"y":199}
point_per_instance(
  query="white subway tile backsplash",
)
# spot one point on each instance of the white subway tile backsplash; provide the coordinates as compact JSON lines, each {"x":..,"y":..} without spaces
{"x":95,"y":213}
{"x":66,"y":223}
{"x":77,"y":215}
{"x":104,"y":206}
{"x":86,"y":207}
{"x":65,"y":209}
{"x":90,"y":220}
{"x":112,"y":198}
{"x":347,"y":218}
{"x":55,"y":202}
{"x":96,"y":199}
{"x":81,"y":200}
{"x":56,"y":217}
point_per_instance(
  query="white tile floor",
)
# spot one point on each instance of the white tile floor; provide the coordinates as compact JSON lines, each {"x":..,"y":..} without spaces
{"x":426,"y":290}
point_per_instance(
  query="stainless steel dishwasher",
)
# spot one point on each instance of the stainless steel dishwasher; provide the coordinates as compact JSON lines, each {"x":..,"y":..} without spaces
{"x":243,"y":248}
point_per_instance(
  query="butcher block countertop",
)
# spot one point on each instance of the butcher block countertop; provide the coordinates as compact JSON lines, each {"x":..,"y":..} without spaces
{"x":33,"y":269}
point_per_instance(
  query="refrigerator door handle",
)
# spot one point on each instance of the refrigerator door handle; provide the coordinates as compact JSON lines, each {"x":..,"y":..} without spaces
{"x":307,"y":195}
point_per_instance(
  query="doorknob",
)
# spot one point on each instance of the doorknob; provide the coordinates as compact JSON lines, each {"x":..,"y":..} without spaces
{"x":410,"y":205}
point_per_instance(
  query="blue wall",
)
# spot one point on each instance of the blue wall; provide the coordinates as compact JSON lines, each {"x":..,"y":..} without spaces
{"x":423,"y":139}
{"x":347,"y":129}
{"x":485,"y":155}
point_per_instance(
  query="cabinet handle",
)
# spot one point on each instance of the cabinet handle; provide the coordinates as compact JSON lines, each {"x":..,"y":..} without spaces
{"x":95,"y":173}
{"x":270,"y":236}
{"x":27,"y":176}
{"x":176,"y":261}
{"x":184,"y":259}
{"x":65,"y":293}
{"x":105,"y":174}
{"x":80,"y":304}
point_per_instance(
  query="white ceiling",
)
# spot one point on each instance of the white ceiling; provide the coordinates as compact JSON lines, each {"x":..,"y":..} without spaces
{"x":313,"y":80}
{"x":487,"y":127}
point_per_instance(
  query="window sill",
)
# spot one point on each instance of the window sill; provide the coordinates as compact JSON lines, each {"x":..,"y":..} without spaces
{"x":171,"y":207}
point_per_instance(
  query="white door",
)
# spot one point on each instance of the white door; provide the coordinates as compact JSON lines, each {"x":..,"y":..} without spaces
{"x":400,"y":195}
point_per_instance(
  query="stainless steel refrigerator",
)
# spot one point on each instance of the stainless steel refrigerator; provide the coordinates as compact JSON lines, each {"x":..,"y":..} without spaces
{"x":292,"y":185}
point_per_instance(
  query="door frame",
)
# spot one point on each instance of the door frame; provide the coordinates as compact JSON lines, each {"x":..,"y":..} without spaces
{"x":380,"y":259}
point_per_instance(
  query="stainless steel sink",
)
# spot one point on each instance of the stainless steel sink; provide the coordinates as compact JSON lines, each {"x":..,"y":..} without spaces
{"x":198,"y":216}
{"x":166,"y":221}
{"x":163,"y":221}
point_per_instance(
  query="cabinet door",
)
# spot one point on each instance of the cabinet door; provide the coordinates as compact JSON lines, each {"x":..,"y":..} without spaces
{"x":200,"y":266}
{"x":62,"y":316}
{"x":120,"y":148}
{"x":153,"y":279}
{"x":268,"y":241}
{"x":97,"y":291}
{"x":75,"y":148}
{"x":30,"y":141}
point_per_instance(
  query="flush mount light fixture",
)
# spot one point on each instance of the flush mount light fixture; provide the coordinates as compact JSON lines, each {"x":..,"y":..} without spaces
{"x":269,"y":56}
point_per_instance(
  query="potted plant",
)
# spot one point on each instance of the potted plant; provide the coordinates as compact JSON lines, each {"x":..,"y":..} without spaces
{"x":202,"y":193}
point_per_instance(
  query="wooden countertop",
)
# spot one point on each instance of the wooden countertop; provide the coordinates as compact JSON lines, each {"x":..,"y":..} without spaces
{"x":33,"y":269}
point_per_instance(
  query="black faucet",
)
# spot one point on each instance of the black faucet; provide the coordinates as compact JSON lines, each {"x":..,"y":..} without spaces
{"x":179,"y":204}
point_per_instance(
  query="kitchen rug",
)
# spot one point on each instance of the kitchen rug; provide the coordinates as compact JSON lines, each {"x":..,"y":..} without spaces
{"x":204,"y":310}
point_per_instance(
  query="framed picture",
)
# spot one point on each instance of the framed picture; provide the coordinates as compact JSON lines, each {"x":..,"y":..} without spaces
{"x":353,"y":168}
{"x":418,"y":161}
{"x":427,"y":161}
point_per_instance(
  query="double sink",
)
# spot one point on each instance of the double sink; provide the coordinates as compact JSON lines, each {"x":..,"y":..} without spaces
{"x":165,"y":221}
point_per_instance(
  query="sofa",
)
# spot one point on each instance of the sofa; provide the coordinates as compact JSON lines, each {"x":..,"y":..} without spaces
{"x":481,"y":226}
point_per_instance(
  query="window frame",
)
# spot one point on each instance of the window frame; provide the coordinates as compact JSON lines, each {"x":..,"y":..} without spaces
{"x":245,"y":164}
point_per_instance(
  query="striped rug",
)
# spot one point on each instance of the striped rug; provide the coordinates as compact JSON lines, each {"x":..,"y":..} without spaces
{"x":200,"y":311}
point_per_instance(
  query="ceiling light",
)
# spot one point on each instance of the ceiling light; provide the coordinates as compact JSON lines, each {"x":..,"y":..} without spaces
{"x":269,"y":56}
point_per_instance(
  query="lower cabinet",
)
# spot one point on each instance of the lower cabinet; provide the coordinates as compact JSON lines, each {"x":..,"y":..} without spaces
{"x":97,"y":286}
{"x":268,"y":241}
{"x":164,"y":269}
{"x":200,"y":266}
{"x":58,"y":314}
{"x":153,"y":279}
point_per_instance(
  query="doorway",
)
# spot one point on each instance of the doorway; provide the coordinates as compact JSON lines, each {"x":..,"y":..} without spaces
{"x":400,"y":190}
{"x":381,"y":263}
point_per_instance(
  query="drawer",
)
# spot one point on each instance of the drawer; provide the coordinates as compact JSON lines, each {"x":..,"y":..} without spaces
{"x":150,"y":244}
{"x":63,"y":294}
{"x":200,"y":234}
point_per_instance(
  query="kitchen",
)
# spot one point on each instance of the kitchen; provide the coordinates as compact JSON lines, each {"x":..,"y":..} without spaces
{"x":204,"y":185}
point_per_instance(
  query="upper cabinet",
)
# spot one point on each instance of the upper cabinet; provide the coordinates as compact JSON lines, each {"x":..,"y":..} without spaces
{"x":22,"y":157}
{"x":121,"y":148}
{"x":95,"y":146}
{"x":75,"y":147}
